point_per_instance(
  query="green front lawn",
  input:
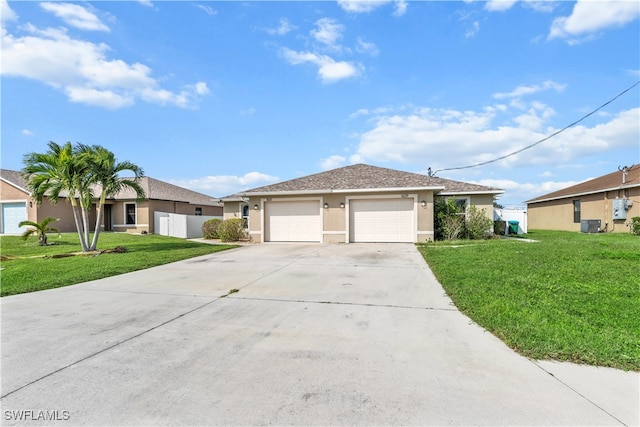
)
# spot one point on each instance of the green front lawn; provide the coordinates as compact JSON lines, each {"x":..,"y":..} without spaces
{"x":571,"y":296}
{"x":21,"y":274}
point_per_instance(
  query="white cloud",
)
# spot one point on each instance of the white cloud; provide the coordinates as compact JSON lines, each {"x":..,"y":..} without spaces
{"x":207,"y":9}
{"x":452,"y":138}
{"x":530,"y":90}
{"x":224,"y":185}
{"x":328,"y":32}
{"x":75,"y":15}
{"x":366,"y":6}
{"x":83,"y":71}
{"x":333,"y":162}
{"x":369,"y":48}
{"x":525,"y":190}
{"x":499,"y":5}
{"x":329,"y":70}
{"x":283,"y":28}
{"x":590,"y":17}
{"x":473,"y":30}
{"x":401,"y":8}
{"x":6,"y":13}
{"x":147,"y":3}
{"x":27,"y":132}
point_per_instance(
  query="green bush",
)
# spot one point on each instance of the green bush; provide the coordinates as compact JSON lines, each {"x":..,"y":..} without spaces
{"x":635,"y":225}
{"x":231,"y":230}
{"x":210,"y":228}
{"x":449,"y":219}
{"x":479,"y":225}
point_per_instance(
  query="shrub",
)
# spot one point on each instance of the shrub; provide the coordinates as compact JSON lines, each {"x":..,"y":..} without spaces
{"x":635,"y":225}
{"x":449,"y":221}
{"x":210,"y":228}
{"x":479,"y":225}
{"x":231,"y":230}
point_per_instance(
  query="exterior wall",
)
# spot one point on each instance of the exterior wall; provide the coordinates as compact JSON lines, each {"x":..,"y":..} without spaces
{"x":60,"y":210}
{"x":558,"y":214}
{"x":335,"y":218}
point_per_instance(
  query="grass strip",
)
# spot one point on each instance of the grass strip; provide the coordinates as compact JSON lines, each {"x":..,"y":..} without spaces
{"x":570,"y":297}
{"x":28,"y":267}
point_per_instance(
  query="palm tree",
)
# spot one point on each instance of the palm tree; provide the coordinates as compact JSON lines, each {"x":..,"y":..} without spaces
{"x":41,"y":229}
{"x":59,"y":172}
{"x":105,"y":170}
{"x":74,"y":173}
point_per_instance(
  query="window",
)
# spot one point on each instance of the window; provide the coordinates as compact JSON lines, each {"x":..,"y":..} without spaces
{"x":576,"y":211}
{"x":199,"y":211}
{"x":130,"y":213}
{"x":245,"y":215}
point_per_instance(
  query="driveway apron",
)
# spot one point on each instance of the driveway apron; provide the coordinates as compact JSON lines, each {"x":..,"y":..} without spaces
{"x":285,"y":334}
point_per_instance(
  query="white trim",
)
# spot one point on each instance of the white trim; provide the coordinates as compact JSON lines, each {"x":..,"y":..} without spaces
{"x":342,"y":191}
{"x":586,"y":193}
{"x":456,"y":193}
{"x":334,"y":232}
{"x":14,"y":201}
{"x":130,"y":225}
{"x":14,"y":185}
{"x":392,"y":189}
{"x":347,"y":210}
{"x":425,"y":232}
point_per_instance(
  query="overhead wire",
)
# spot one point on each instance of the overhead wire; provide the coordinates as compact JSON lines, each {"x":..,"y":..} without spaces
{"x":546,"y":138}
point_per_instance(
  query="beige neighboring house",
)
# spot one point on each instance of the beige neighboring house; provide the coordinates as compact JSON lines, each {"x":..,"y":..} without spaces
{"x":358,"y":203}
{"x":607,"y":202}
{"x":122,"y":212}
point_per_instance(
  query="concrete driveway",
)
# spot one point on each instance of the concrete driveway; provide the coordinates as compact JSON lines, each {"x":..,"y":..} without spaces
{"x":316,"y":335}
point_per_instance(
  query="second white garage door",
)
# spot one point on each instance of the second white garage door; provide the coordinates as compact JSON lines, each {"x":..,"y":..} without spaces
{"x":293,"y":221}
{"x":381,"y":220}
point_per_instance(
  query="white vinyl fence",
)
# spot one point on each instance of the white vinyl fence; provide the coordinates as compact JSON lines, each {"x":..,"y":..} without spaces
{"x":512,"y":214}
{"x":179,"y":225}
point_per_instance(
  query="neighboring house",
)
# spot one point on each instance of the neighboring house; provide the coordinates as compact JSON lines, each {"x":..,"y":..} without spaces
{"x":358,"y":203}
{"x":121,"y":213}
{"x":606,"y":204}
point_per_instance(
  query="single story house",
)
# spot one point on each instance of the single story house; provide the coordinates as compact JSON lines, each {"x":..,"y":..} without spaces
{"x":358,"y":203}
{"x":606,"y":203}
{"x":121,"y":213}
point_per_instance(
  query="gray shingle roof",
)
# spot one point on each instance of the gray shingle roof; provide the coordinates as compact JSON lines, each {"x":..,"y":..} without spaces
{"x":366,"y":177}
{"x":154,"y":189}
{"x":606,"y":182}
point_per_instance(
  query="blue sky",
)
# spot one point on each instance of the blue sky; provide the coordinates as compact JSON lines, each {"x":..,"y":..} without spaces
{"x":224,"y":96}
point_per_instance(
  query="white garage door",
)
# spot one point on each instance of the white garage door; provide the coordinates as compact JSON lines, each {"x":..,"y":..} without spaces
{"x":12,"y":215}
{"x":381,"y":220}
{"x":293,"y":221}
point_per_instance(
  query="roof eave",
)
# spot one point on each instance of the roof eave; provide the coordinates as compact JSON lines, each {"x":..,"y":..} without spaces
{"x":339,"y":191}
{"x":13,"y":184}
{"x":584,"y":193}
{"x":455,"y":193}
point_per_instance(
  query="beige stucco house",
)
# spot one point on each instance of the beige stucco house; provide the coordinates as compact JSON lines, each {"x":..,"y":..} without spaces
{"x":358,"y":203}
{"x":122,"y":213}
{"x":606,"y":203}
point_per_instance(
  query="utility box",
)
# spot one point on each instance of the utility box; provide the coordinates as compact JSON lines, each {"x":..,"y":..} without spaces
{"x":620,"y":208}
{"x":590,"y":226}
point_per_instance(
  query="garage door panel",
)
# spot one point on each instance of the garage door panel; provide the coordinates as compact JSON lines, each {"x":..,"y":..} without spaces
{"x":293,"y":221}
{"x":12,"y":215}
{"x":381,"y":220}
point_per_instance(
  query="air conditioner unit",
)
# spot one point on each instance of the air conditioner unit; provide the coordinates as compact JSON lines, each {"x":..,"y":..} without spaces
{"x":590,"y":226}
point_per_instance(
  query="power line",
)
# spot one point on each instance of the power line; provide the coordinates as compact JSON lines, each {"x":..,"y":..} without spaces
{"x":541,"y":140}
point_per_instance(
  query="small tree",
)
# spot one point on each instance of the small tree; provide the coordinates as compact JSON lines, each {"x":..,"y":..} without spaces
{"x":449,"y":219}
{"x":210,"y":228}
{"x":479,"y":225}
{"x":231,"y":230}
{"x":635,"y":225}
{"x":41,"y":229}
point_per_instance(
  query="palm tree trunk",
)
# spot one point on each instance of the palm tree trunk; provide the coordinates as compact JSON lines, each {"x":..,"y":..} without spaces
{"x":76,"y":218}
{"x":100,"y":215}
